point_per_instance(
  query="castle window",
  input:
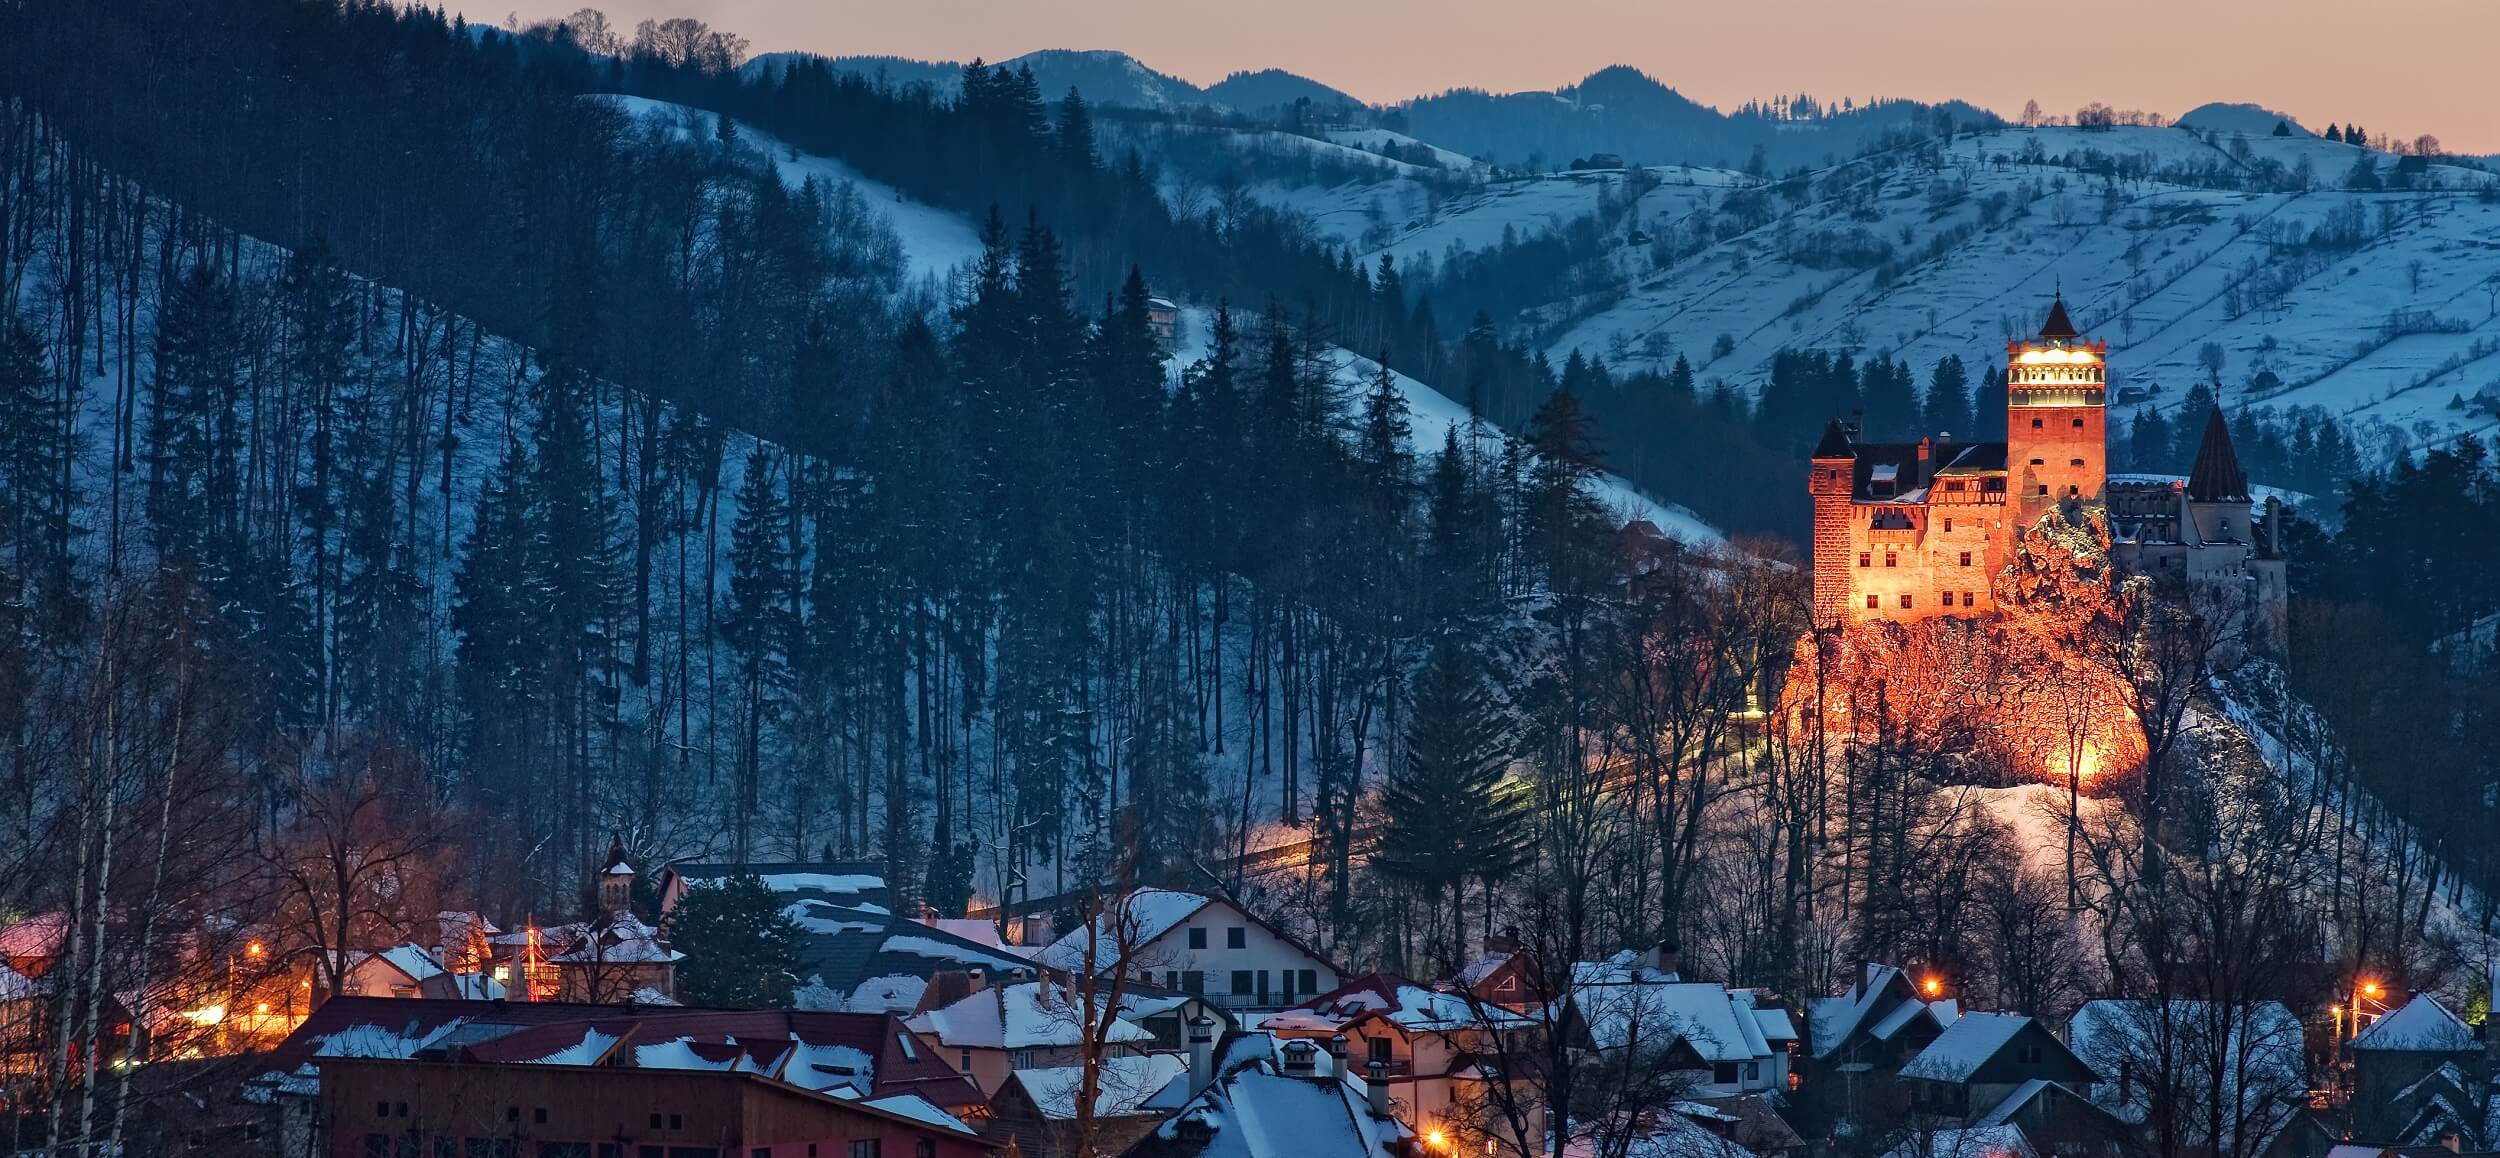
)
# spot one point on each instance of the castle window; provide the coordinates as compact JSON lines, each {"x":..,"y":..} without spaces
{"x":1966,"y":558}
{"x":2075,"y":462}
{"x":1953,"y":485}
{"x":1866,"y":559}
{"x":1947,"y":596}
{"x":2038,"y":462}
{"x":1891,"y":559}
{"x":1905,"y":601}
{"x":1873,"y":602}
{"x":1966,"y":599}
{"x":2078,"y":424}
{"x":2044,"y":488}
{"x":2035,"y":424}
{"x":1948,"y":523}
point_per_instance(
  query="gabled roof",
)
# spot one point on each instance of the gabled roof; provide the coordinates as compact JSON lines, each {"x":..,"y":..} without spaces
{"x":1022,"y":1016}
{"x":2058,"y":328}
{"x":1252,"y":1109}
{"x":868,"y":960}
{"x":855,"y":884}
{"x":1964,"y":1046}
{"x":2217,"y":477}
{"x":1124,"y":1088}
{"x":1388,"y":997}
{"x":1140,"y":918}
{"x":871,"y":1054}
{"x":2423,"y":1025}
{"x":1718,"y":1025}
{"x":412,"y":960}
{"x":1835,"y":442}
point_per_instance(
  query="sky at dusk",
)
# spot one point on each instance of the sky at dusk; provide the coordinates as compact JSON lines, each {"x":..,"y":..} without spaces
{"x":2398,"y":66}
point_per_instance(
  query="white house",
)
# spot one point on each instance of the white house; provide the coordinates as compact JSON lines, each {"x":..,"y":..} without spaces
{"x":1635,"y":1001}
{"x":1194,"y":943}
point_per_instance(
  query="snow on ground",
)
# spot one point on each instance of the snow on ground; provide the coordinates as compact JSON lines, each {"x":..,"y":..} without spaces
{"x":1431,"y":415}
{"x":2037,"y":816}
{"x":1374,"y":140}
{"x":935,"y":240}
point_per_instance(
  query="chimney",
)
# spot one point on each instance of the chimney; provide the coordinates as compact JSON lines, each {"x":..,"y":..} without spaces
{"x":1336,"y":1049}
{"x":1376,"y":1088}
{"x":1665,"y":957}
{"x":1301,"y":1059}
{"x":1201,"y":1052}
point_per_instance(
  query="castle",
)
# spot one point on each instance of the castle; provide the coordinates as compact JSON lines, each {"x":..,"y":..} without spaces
{"x":1905,"y":531}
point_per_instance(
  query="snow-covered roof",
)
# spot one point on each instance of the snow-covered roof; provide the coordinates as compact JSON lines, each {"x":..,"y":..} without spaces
{"x":1834,"y":1019}
{"x":1387,"y":997}
{"x":1775,"y":1025}
{"x":1718,"y":1025}
{"x":1027,"y":1015}
{"x":1125,"y":1086}
{"x":1964,"y":1046}
{"x":2422,"y":1025}
{"x":1134,"y":920}
{"x":1254,"y":1110}
{"x":920,"y":1109}
{"x":1679,"y":1135}
{"x":412,"y":960}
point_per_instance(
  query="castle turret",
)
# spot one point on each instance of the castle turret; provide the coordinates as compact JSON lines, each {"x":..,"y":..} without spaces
{"x":1831,"y":481}
{"x":2056,"y":421}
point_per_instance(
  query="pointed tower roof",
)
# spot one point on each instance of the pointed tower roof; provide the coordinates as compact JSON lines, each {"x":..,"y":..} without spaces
{"x":616,"y":858}
{"x":1836,"y":443}
{"x":2217,"y":477}
{"x":2058,"y":328}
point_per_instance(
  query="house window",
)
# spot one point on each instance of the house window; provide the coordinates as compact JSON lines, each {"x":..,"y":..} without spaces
{"x":2027,"y":1054}
{"x":924,"y":1148}
{"x":1236,"y":938}
{"x":1193,"y":981}
{"x":655,"y":1118}
{"x":381,"y":1109}
{"x":967,"y":1068}
{"x":539,"y":1115}
{"x":1905,"y":601}
{"x":1241,"y":981}
{"x":1873,"y":602}
{"x":1506,"y":985}
{"x":377,"y":1146}
{"x":676,"y":1121}
{"x":1892,"y":559}
{"x":1724,"y":1073}
{"x":863,"y":1148}
{"x":1866,"y":558}
{"x":1197,"y":938}
{"x":1023,"y":1059}
{"x":1753,"y":1071}
{"x":1376,"y":1049}
{"x":760,"y":1152}
{"x":1310,"y":981}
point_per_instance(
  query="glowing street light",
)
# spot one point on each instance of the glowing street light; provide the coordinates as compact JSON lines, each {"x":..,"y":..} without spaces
{"x":1933,"y":986}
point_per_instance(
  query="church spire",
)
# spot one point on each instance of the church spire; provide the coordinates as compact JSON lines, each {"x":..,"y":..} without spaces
{"x":2217,"y":477}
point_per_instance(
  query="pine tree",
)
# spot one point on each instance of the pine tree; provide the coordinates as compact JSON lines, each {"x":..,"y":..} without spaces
{"x":35,"y":505}
{"x":1947,"y":409}
{"x":756,"y":625}
{"x":1447,"y":813}
{"x":742,"y":951}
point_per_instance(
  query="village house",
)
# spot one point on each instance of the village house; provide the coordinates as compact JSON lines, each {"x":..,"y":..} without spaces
{"x":2000,"y":1068}
{"x":460,"y":1104}
{"x":1036,"y":1109}
{"x":1502,"y":973}
{"x":1197,"y":943}
{"x":861,"y":1059}
{"x":997,"y":1029}
{"x":1260,"y":1097}
{"x":1428,"y":1044}
{"x":1716,"y":1035}
{"x":2261,"y":1047}
{"x":2420,"y":1073}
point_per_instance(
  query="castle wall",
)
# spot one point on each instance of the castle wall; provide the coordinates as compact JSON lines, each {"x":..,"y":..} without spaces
{"x":2054,"y":453}
{"x":1910,"y":561}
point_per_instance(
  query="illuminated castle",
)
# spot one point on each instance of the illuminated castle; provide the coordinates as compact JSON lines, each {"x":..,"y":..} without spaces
{"x":1908,"y":530}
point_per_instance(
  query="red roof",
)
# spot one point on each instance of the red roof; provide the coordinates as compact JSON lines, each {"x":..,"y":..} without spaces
{"x":519,"y":1031}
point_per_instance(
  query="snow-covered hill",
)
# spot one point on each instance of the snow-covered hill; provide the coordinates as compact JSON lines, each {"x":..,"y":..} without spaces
{"x":2380,"y":305}
{"x":935,"y":241}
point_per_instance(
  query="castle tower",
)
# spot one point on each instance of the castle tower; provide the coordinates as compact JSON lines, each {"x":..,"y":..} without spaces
{"x":2056,"y":424}
{"x":1831,"y":482}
